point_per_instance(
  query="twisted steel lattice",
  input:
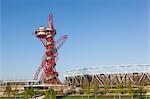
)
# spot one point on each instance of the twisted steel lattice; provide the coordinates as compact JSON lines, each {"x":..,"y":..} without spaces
{"x":46,"y":35}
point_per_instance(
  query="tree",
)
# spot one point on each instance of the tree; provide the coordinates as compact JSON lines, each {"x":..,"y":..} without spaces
{"x":130,"y":89}
{"x":141,"y":90}
{"x":50,"y":94}
{"x":95,"y":87}
{"x":15,"y":91}
{"x":47,"y":95}
{"x":106,"y":87}
{"x":120,"y":90}
{"x":54,"y":95}
{"x":28,"y":92}
{"x":86,"y":87}
{"x":8,"y":89}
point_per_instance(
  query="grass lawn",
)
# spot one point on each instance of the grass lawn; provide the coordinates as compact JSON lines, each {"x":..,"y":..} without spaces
{"x":99,"y":97}
{"x":84,"y":97}
{"x":11,"y":97}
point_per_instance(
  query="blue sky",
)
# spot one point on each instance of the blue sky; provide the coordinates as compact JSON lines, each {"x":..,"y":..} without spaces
{"x":101,"y":32}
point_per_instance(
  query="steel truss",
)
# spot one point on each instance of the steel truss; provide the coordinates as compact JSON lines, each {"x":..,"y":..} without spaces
{"x":110,"y":75}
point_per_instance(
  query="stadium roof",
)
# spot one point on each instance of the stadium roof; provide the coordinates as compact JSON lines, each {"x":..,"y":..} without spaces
{"x":110,"y":69}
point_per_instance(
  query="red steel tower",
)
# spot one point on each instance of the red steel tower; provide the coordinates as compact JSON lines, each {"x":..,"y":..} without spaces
{"x":46,"y":35}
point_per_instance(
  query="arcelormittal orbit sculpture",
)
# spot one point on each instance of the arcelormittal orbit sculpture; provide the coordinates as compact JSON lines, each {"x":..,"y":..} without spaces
{"x":46,"y":35}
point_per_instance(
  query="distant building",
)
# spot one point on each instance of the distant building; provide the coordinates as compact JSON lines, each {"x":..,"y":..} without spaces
{"x":16,"y":84}
{"x":20,"y":85}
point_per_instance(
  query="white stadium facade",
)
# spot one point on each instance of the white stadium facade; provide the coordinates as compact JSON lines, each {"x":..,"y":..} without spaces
{"x":136,"y":74}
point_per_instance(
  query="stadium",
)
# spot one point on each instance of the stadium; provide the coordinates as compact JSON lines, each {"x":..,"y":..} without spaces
{"x":137,"y":74}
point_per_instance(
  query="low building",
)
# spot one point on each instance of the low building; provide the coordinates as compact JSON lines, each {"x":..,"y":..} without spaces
{"x":15,"y":85}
